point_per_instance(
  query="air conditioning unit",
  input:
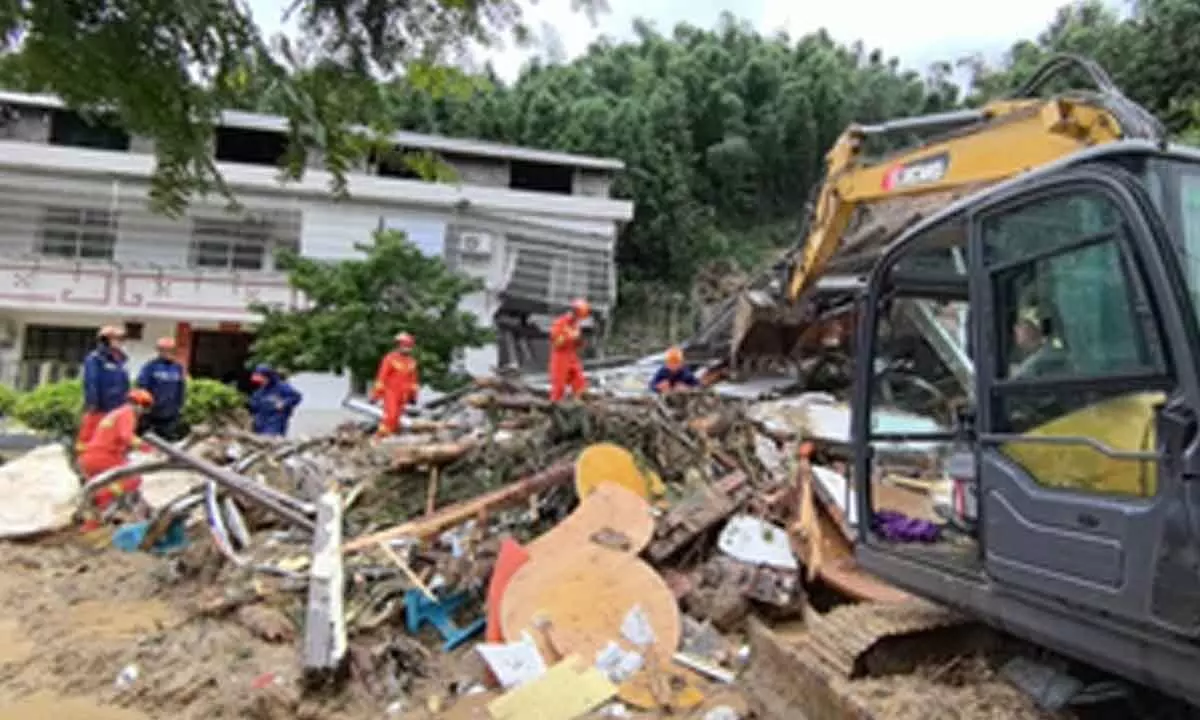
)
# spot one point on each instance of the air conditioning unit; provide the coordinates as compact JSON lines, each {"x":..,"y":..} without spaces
{"x":475,"y":244}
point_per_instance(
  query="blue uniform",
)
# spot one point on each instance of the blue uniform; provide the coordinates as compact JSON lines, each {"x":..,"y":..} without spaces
{"x":682,"y":376}
{"x":165,"y":379}
{"x":105,"y":382}
{"x":272,"y":405}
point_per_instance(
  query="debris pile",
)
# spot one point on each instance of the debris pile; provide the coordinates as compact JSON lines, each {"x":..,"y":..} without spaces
{"x":503,"y":553}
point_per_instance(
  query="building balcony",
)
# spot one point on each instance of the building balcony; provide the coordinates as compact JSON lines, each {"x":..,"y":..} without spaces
{"x":54,"y":285}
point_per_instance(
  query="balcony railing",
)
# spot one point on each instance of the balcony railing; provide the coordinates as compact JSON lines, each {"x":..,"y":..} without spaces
{"x":99,"y":288}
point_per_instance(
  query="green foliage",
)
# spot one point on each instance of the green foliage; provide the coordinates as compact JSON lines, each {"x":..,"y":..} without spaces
{"x":57,"y":407}
{"x":53,"y":408}
{"x":358,"y":306}
{"x":8,"y":399}
{"x":208,"y":401}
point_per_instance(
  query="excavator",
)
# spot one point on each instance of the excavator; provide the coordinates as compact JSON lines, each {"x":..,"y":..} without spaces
{"x":1025,"y":276}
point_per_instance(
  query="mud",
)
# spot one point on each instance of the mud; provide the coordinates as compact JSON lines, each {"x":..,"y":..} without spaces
{"x":75,"y":619}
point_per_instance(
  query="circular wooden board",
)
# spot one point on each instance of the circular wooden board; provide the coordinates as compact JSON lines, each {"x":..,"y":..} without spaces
{"x":585,"y":593}
{"x":602,"y":463}
{"x":610,"y":508}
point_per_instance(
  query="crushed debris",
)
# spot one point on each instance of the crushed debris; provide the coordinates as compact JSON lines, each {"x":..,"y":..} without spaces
{"x":602,"y":558}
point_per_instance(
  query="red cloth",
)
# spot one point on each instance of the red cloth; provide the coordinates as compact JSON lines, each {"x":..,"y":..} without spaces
{"x":566,"y":370}
{"x":396,"y":383}
{"x":112,"y":439}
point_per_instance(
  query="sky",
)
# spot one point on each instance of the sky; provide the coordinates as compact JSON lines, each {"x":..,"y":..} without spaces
{"x":918,"y":32}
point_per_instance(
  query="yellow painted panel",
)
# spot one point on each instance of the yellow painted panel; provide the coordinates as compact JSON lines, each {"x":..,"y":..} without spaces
{"x":564,"y":692}
{"x":1123,"y":423}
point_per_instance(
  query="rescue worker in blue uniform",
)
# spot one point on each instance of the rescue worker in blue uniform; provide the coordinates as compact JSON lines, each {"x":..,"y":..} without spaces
{"x":105,"y":382}
{"x":673,"y":374}
{"x":273,"y":403}
{"x":166,"y":380}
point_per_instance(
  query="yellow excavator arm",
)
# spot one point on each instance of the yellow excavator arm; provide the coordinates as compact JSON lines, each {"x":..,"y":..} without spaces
{"x":960,"y":152}
{"x":1003,"y":139}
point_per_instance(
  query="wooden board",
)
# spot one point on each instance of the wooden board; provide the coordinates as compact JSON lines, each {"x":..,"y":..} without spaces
{"x":839,"y":570}
{"x":603,"y":463}
{"x":610,"y":508}
{"x":585,"y":593}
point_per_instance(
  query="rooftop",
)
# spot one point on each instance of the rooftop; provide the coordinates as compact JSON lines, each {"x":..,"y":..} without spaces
{"x":408,"y":140}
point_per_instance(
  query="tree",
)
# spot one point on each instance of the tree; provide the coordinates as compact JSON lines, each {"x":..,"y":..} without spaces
{"x":167,"y":69}
{"x":356,"y":308}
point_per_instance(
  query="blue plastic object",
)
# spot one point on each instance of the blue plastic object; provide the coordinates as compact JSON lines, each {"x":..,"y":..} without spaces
{"x":419,"y":610}
{"x":129,"y":537}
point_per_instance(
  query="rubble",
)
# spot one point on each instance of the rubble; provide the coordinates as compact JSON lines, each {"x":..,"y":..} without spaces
{"x":602,"y":558}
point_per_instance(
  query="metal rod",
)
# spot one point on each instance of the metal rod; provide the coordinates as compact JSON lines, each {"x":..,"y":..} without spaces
{"x":241,"y":486}
{"x":925,"y":122}
{"x":124,"y":471}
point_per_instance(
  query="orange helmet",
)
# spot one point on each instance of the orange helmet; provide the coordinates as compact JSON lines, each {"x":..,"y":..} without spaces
{"x":165,"y":343}
{"x":674,"y":358}
{"x":405,"y":340}
{"x":580,"y":307}
{"x":110,"y":332}
{"x":138,"y":396}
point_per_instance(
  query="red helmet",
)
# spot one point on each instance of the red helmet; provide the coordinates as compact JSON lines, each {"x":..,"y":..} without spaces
{"x":581,"y":308}
{"x":139,"y":396}
{"x":406,"y":341}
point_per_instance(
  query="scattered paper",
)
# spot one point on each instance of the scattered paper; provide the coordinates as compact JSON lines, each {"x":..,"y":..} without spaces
{"x":616,"y":664}
{"x":636,"y":627}
{"x":513,"y":663}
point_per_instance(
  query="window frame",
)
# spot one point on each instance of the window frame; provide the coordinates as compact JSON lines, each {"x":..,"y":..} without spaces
{"x":75,"y":231}
{"x":234,"y":235}
{"x":992,"y":386}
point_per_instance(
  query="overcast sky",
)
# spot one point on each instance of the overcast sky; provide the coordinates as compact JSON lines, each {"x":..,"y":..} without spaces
{"x":919,"y":32}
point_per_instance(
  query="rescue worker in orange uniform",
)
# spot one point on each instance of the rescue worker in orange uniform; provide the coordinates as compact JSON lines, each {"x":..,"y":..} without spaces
{"x":566,"y":339}
{"x":396,"y":383}
{"x":109,"y":448}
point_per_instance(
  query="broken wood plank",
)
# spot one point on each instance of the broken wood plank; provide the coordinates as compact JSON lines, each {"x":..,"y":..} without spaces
{"x":696,"y":514}
{"x":557,"y":474}
{"x":325,"y":622}
{"x":410,"y":456}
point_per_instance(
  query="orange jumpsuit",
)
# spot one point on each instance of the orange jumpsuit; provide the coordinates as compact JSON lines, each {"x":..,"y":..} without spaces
{"x":109,"y":448}
{"x":396,"y":382}
{"x":565,"y":368}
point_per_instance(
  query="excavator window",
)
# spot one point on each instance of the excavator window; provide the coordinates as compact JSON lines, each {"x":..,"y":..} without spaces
{"x":1074,"y":356}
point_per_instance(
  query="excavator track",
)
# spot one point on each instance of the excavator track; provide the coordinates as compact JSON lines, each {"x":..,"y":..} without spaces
{"x":842,"y":638}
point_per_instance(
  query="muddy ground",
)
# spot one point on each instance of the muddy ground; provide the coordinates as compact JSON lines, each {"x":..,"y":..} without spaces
{"x":76,"y":620}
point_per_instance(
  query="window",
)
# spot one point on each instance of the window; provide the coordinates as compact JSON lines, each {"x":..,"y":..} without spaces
{"x":253,"y":147}
{"x":229,"y":244}
{"x":78,"y":234}
{"x":65,"y":344}
{"x":923,"y":364}
{"x":73,"y":130}
{"x":1076,"y":355}
{"x":541,"y":177}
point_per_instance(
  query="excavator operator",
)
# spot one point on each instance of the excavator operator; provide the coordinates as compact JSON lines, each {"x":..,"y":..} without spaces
{"x":396,"y":383}
{"x":1039,"y":353}
{"x":566,"y":339}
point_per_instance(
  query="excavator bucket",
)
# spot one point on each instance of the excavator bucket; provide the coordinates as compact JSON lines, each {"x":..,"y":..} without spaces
{"x":769,"y":332}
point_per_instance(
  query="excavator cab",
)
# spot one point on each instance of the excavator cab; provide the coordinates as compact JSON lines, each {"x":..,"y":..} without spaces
{"x":1066,"y":303}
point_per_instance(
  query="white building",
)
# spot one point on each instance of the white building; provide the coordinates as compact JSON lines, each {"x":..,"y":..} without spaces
{"x":79,"y":247}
